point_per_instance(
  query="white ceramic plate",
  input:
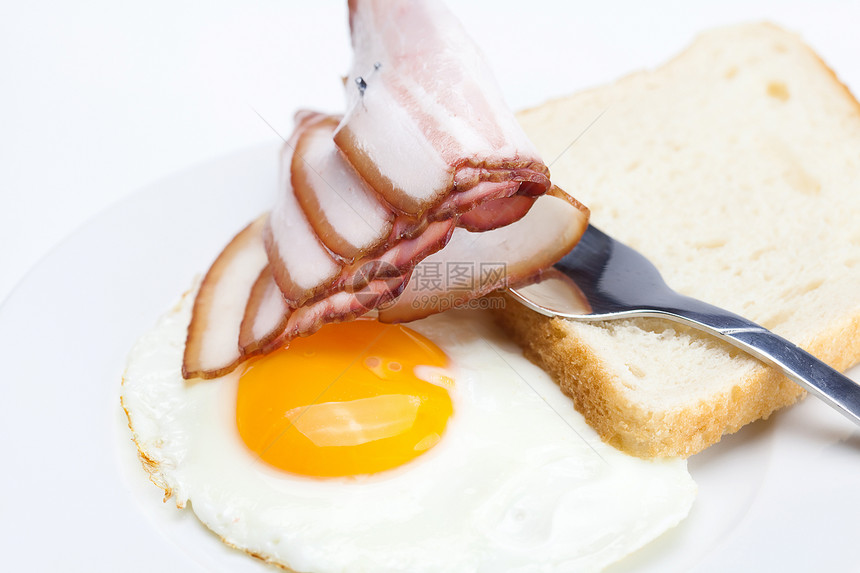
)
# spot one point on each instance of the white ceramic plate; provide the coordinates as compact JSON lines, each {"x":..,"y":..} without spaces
{"x":779,"y":495}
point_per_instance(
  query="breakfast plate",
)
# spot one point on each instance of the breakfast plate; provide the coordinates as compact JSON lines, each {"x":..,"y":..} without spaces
{"x":778,"y":495}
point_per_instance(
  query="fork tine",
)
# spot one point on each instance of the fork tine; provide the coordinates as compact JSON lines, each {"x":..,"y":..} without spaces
{"x":612,"y":275}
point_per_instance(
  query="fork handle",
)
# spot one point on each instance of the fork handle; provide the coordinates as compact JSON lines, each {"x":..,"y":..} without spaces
{"x":834,"y":388}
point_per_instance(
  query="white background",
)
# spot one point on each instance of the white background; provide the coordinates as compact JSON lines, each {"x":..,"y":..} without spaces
{"x":100,"y":98}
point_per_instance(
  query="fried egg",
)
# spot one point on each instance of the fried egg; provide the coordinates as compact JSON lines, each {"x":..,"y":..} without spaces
{"x":433,"y":446}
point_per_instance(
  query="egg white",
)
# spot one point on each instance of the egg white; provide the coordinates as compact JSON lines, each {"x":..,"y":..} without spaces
{"x":519,"y":482}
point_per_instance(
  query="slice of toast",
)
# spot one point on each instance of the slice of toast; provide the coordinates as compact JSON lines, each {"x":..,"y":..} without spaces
{"x":735,"y":168}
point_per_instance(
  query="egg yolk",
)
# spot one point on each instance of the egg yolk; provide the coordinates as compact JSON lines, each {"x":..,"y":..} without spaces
{"x":345,"y":401}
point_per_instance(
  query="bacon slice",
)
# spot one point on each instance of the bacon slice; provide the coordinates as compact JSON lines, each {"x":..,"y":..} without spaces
{"x":474,"y":264}
{"x":266,"y":315}
{"x":345,"y":213}
{"x":301,"y":265}
{"x":419,"y":88}
{"x":211,"y":347}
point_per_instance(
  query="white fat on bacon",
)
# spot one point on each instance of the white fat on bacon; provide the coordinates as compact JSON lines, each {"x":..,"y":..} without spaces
{"x":420,"y":88}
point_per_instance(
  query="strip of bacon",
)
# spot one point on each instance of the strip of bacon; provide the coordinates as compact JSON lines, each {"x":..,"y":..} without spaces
{"x":345,"y":213}
{"x":266,"y":315}
{"x":419,"y":88}
{"x":474,"y":264}
{"x":301,"y":265}
{"x":211,"y":347}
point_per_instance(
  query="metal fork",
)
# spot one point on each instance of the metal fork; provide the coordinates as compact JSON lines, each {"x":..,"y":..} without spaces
{"x":603,"y":279}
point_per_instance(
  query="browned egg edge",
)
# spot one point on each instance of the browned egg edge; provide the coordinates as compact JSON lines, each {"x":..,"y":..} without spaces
{"x":153,"y":468}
